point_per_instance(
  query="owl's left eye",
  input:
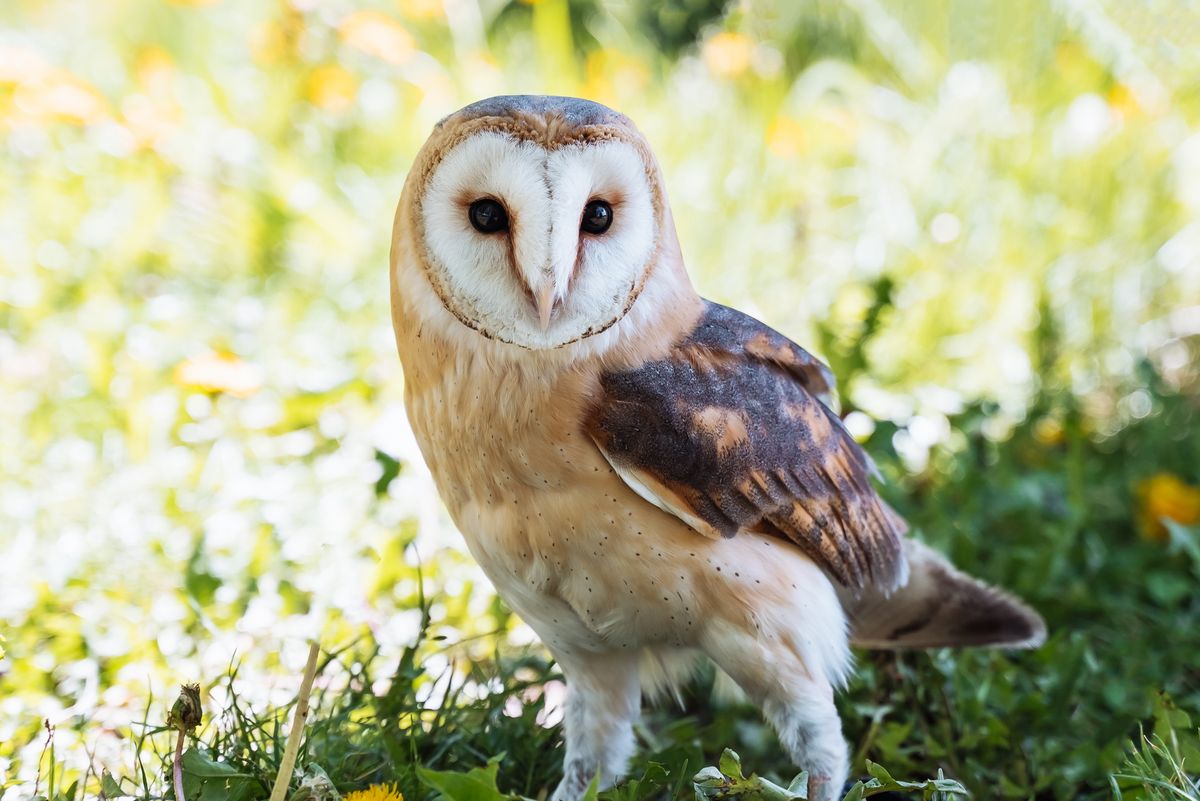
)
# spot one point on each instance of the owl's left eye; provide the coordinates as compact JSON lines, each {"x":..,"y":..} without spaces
{"x":488,"y":216}
{"x":597,"y":217}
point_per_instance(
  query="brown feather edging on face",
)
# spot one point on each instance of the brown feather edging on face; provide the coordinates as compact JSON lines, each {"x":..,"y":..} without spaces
{"x":552,"y":123}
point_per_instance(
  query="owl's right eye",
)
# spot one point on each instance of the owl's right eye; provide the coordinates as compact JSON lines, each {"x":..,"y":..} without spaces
{"x":488,"y":216}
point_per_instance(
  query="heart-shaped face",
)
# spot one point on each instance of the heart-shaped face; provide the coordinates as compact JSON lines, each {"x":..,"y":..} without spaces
{"x":537,"y":241}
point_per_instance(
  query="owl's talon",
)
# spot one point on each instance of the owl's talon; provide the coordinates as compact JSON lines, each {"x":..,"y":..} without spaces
{"x":821,"y":788}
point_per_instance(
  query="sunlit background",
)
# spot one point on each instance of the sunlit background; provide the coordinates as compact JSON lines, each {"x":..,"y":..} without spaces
{"x":989,"y":206}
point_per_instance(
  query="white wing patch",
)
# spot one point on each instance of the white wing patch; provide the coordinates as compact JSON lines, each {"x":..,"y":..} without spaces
{"x":635,"y":483}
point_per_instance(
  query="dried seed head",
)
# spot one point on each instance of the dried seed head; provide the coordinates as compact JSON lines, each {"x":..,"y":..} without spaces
{"x":186,"y":713}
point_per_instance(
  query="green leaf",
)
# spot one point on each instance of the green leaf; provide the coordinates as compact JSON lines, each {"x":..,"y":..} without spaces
{"x":856,"y":792}
{"x":477,"y":784}
{"x":709,"y":784}
{"x":315,"y":785}
{"x":1173,"y":725}
{"x":1186,"y":539}
{"x":593,"y":789}
{"x":877,"y":771}
{"x":730,"y":764}
{"x":109,"y":786}
{"x":947,"y":786}
{"x":207,"y":780}
{"x":728,"y":781}
{"x":389,"y":468}
{"x":197,"y":764}
{"x":646,"y":788}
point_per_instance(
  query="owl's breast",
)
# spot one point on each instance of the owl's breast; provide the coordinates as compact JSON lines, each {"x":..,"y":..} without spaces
{"x":491,"y":435}
{"x":585,"y":561}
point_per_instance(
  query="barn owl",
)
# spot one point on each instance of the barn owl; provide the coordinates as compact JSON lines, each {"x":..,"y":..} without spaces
{"x":646,"y":476}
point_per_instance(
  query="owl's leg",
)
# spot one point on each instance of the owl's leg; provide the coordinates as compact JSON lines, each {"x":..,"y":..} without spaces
{"x":811,"y":732}
{"x":603,"y":702}
{"x":794,"y":696}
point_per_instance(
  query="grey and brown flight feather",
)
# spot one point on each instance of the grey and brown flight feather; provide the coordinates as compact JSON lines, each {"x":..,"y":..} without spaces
{"x":729,"y":432}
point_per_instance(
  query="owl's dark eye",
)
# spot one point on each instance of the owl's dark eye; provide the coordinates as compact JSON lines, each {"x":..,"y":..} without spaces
{"x":488,"y":216}
{"x":597,"y":217}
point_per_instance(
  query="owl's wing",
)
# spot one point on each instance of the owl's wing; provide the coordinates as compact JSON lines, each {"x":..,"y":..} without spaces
{"x":729,"y":433}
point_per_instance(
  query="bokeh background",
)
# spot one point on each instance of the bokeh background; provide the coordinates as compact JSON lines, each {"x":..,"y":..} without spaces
{"x":985,"y":215}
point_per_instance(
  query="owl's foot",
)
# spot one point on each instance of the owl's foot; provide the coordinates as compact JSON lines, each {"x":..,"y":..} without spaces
{"x":574,"y":783}
{"x":822,"y":788}
{"x":603,"y":701}
{"x":795,"y":699}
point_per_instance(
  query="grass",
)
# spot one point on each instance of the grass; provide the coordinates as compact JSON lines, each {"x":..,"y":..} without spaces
{"x":1105,"y":709}
{"x":983,"y":219}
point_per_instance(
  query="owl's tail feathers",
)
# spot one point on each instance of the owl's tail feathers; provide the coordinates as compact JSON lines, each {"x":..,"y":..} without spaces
{"x":941,"y":607}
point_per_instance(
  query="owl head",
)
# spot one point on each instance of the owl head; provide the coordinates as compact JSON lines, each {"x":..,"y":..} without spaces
{"x":536,"y":222}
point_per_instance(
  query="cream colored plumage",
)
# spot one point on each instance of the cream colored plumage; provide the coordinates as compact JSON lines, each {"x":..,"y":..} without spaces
{"x":646,"y":477}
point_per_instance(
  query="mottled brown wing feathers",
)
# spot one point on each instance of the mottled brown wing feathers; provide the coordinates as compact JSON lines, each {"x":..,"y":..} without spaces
{"x":729,"y":434}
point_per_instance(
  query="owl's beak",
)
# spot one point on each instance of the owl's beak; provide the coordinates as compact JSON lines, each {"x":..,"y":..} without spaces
{"x":544,"y":301}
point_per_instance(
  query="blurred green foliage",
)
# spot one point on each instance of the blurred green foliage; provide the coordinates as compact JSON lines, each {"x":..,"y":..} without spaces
{"x":985,"y":216}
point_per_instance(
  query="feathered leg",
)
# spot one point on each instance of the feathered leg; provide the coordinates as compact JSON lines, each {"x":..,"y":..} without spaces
{"x":811,"y":732}
{"x":788,"y":657}
{"x":603,"y":702}
{"x":799,"y":706}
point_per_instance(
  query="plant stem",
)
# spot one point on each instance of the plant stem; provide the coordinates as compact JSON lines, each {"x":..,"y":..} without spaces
{"x":177,"y":770}
{"x":284,"y":777}
{"x":37,"y":779}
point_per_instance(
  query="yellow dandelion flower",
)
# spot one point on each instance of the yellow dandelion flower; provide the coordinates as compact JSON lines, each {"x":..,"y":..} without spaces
{"x":728,"y":54}
{"x":1165,"y":496}
{"x":1049,"y":431}
{"x":332,"y":88}
{"x":609,"y":70}
{"x":376,"y":792}
{"x":46,"y":94}
{"x":1123,"y":100}
{"x":219,"y":372}
{"x":61,"y":96}
{"x":153,"y":113}
{"x":269,"y":43}
{"x":377,"y":34}
{"x":20,"y":65}
{"x":786,"y":137}
{"x":421,"y":9}
{"x":155,"y":69}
